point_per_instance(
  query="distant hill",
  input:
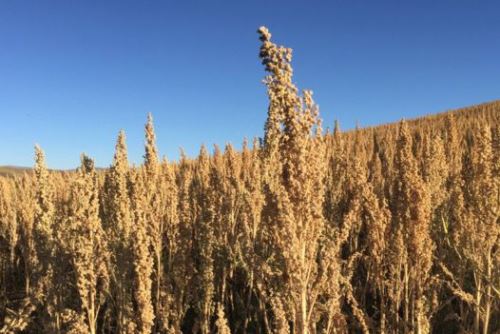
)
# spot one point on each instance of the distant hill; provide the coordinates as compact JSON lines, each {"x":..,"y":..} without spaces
{"x":14,"y":170}
{"x":487,"y":110}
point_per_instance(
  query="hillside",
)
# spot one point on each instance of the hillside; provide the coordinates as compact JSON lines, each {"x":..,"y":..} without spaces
{"x":13,"y":170}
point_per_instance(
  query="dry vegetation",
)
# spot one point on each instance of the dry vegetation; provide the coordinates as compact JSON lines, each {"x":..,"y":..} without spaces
{"x":392,"y":229}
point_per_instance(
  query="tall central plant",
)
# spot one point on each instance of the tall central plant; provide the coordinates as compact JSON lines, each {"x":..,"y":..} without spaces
{"x":301,"y":256}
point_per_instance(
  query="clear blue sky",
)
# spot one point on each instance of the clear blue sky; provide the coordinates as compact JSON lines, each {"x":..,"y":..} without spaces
{"x":72,"y":73}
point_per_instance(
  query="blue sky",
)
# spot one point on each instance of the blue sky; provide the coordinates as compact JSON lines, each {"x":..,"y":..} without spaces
{"x":73,"y":73}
